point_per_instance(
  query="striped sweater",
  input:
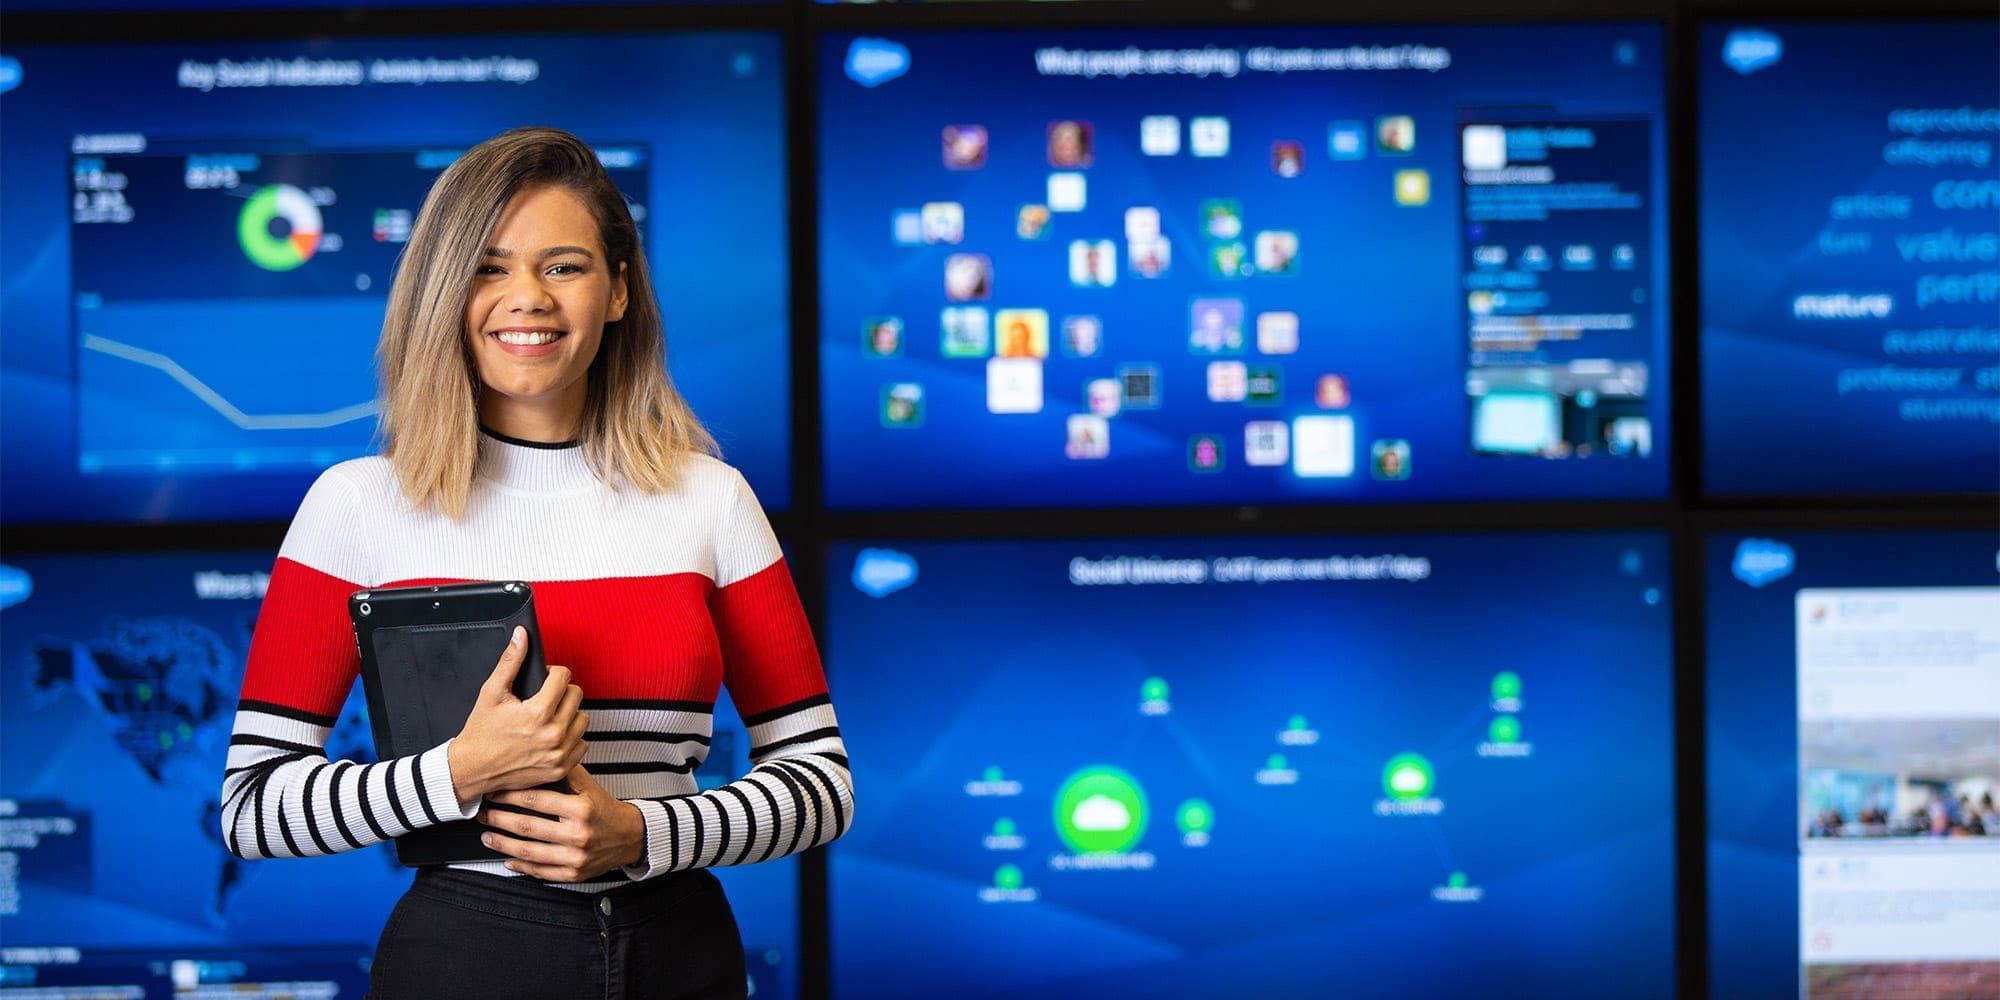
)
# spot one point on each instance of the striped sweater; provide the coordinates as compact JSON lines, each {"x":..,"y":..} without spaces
{"x":651,"y":601}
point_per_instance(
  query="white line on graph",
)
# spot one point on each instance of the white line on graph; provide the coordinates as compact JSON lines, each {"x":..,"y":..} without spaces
{"x":248,"y":422}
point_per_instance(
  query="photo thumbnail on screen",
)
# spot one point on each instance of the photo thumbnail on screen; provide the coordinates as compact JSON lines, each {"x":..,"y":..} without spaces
{"x":119,"y":678}
{"x":1306,"y":775}
{"x":1899,"y":774}
{"x":1182,"y":267}
{"x":201,"y":236}
{"x":1853,"y":740}
{"x":1850,"y":258}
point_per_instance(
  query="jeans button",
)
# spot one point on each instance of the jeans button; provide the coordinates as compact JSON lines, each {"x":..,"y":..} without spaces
{"x":604,"y":906}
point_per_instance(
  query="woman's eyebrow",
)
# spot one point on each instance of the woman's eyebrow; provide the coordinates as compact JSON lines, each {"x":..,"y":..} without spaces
{"x":504,"y":253}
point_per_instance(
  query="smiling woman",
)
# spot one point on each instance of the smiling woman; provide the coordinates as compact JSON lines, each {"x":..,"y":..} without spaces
{"x":532,"y":434}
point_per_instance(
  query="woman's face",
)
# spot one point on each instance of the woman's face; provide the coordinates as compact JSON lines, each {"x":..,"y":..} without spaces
{"x":540,"y":299}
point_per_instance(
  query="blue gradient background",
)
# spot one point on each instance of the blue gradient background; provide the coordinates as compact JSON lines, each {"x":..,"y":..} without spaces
{"x":1377,"y":285}
{"x":994,"y":658}
{"x":716,"y":237}
{"x":1753,"y":737}
{"x":62,"y":750}
{"x":1776,"y":147}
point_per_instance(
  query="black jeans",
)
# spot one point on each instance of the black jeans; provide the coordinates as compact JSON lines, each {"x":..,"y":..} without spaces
{"x":466,"y":934}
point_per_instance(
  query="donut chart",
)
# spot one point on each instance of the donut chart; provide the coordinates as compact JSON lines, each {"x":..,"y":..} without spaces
{"x":279,"y":248}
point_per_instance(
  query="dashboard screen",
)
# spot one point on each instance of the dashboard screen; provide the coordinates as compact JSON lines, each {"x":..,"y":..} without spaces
{"x":1850,"y":258}
{"x":118,"y":684}
{"x":1853,"y":715}
{"x":200,"y":238}
{"x":1164,"y":267}
{"x":1351,"y":754}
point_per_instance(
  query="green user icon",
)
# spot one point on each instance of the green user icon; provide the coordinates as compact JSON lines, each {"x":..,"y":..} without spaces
{"x":1155,"y":689}
{"x":1003,"y":828}
{"x":1007,"y":877}
{"x":1195,"y":816}
{"x":1297,"y":724}
{"x":1408,"y":777}
{"x":1458,"y":880}
{"x":994,"y":775}
{"x":1505,"y":729}
{"x":1506,"y":685}
{"x":1100,"y":810}
{"x":1276,"y":762}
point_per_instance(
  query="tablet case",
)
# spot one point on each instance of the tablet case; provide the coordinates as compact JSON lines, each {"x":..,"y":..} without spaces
{"x":425,"y":652}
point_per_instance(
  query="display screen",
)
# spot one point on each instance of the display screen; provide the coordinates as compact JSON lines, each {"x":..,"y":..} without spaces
{"x":1229,"y":266}
{"x":118,"y":684}
{"x":200,"y":238}
{"x":1850,"y":258}
{"x":1853,"y":714}
{"x":1352,"y":755}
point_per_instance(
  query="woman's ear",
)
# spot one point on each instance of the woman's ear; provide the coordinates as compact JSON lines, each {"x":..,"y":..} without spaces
{"x":620,"y":295}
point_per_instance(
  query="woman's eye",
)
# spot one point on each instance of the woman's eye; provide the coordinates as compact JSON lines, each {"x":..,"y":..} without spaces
{"x":485,"y":269}
{"x":565,"y":269}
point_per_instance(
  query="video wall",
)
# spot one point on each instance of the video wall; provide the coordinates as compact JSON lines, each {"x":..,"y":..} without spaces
{"x":134,"y":387}
{"x":1231,"y":266}
{"x":1057,"y":271}
{"x":1850,"y":258}
{"x":1853,"y":763}
{"x":1306,"y":775}
{"x":121,"y":675}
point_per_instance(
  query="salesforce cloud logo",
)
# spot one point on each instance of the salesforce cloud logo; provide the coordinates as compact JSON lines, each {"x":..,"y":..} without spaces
{"x":15,"y":586}
{"x":1748,"y":50}
{"x":872,"y":62}
{"x":1761,"y":560}
{"x":10,"y":73}
{"x":881,"y":572}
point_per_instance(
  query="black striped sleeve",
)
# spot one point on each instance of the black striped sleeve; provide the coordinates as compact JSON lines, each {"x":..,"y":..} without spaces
{"x":312,"y":815}
{"x":749,"y":824}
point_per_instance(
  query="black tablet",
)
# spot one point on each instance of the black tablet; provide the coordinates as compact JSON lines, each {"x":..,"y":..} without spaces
{"x":425,"y":653}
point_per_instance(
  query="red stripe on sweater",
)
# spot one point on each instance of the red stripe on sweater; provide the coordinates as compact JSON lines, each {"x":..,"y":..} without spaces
{"x":302,"y":653}
{"x":644,"y":637}
{"x":767,"y":645}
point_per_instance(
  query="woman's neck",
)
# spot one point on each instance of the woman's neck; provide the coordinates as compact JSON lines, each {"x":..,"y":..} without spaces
{"x":552,"y":424}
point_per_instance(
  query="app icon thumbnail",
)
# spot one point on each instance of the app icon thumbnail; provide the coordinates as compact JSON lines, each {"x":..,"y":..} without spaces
{"x":968,"y":276}
{"x":1390,"y":459}
{"x":1069,"y":144}
{"x":1014,"y":385}
{"x":1089,"y":437}
{"x":1023,"y":333}
{"x":1160,"y":135}
{"x":882,"y":337}
{"x":1346,"y":140}
{"x":1395,"y":135}
{"x":964,"y":332}
{"x":964,"y":147}
{"x":903,"y":405}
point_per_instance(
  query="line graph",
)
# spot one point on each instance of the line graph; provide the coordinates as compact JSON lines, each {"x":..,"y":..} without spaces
{"x":221,"y":405}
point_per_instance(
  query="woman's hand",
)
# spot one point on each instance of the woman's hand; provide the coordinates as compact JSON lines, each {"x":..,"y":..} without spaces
{"x":509,"y":743}
{"x":591,"y":834}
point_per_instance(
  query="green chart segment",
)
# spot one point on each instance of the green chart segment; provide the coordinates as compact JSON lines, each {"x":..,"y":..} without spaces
{"x":279,"y":227}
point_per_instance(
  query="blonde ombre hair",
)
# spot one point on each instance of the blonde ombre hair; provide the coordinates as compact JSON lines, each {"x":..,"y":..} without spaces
{"x":635,"y":428}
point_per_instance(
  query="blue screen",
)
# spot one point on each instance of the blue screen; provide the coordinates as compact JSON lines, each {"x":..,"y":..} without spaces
{"x":1850,"y":229}
{"x":1227,"y":266}
{"x":199,"y":239}
{"x":1764,"y":818}
{"x":1354,"y":755}
{"x":118,"y":684}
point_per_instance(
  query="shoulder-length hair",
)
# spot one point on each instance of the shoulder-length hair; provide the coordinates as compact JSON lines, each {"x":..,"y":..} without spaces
{"x":636,"y":428}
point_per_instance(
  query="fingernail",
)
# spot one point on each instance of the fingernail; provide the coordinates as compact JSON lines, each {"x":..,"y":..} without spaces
{"x":520,"y":635}
{"x":486,"y":838}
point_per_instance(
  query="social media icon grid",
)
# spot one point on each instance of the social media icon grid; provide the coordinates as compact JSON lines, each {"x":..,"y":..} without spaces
{"x":1014,"y":342}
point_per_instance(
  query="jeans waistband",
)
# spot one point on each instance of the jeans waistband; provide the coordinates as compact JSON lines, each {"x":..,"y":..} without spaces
{"x":526,"y":899}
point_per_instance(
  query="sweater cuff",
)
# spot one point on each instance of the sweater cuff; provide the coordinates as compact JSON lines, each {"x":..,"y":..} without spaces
{"x":662,"y":840}
{"x":441,"y":791}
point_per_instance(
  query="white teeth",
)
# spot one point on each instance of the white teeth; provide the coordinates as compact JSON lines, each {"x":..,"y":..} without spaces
{"x":525,"y":339}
